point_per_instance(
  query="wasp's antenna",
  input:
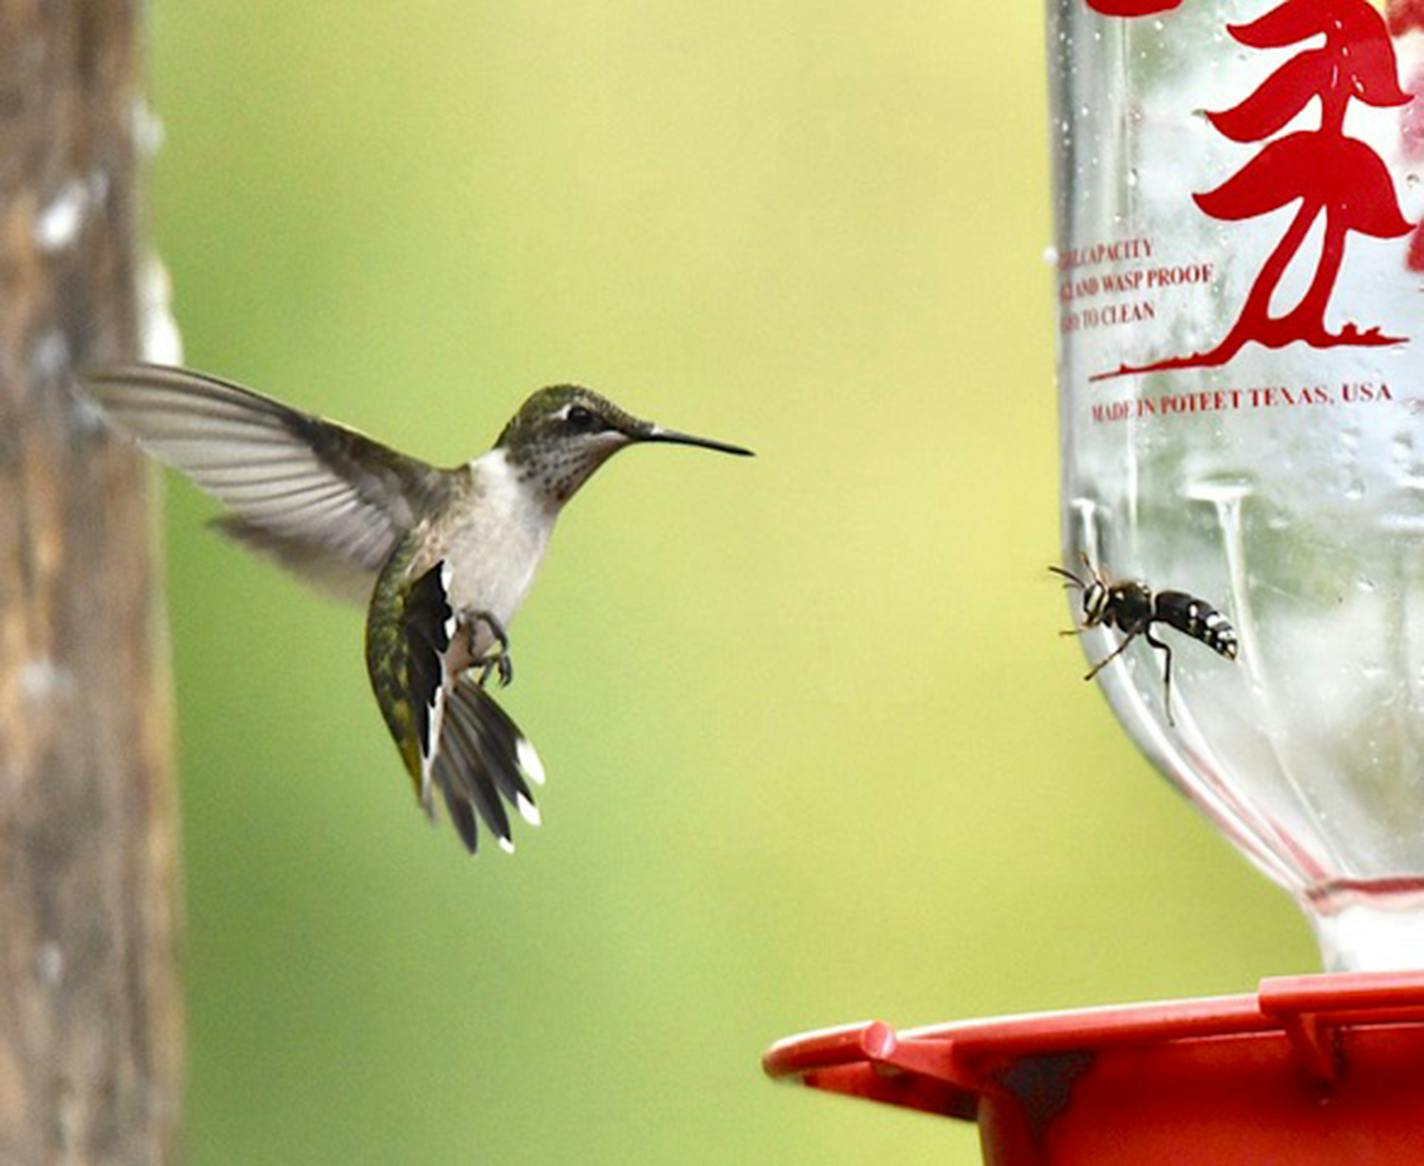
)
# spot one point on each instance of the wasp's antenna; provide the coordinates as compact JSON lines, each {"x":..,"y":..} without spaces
{"x":1073,"y":580}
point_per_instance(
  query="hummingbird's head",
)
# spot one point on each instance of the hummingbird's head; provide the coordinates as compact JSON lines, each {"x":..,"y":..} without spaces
{"x":563,"y":433}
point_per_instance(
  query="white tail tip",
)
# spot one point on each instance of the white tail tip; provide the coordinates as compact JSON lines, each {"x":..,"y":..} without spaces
{"x":529,"y":762}
{"x":527,"y":810}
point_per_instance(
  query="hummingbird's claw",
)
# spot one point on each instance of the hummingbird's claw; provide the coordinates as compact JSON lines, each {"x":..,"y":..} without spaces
{"x":498,"y":661}
{"x":496,"y":658}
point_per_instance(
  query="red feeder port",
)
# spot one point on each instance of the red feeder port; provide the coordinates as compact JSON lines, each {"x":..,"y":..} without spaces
{"x":1310,"y":1071}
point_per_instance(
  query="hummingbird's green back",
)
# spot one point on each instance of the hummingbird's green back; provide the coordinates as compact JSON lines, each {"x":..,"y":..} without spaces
{"x":388,"y":656}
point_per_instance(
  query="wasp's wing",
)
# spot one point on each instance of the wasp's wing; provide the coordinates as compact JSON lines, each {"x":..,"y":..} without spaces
{"x":326,"y":502}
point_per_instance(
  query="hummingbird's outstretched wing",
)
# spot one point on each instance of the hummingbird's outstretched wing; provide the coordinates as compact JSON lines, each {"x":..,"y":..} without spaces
{"x":450,"y":731}
{"x":326,"y":502}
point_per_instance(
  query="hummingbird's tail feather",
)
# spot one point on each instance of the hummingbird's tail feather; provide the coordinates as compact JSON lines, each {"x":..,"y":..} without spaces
{"x":306,"y":483}
{"x":465,"y":782}
{"x":449,"y":730}
{"x":499,"y":739}
{"x":462,"y":814}
{"x":481,"y":757}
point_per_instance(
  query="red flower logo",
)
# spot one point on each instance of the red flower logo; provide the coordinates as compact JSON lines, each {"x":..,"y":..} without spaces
{"x":1327,"y":172}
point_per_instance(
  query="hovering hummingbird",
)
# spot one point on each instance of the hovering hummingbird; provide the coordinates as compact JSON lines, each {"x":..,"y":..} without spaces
{"x":442,"y":557}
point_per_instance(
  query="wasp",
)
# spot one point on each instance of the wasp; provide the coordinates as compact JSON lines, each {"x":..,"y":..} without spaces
{"x":1133,"y":608}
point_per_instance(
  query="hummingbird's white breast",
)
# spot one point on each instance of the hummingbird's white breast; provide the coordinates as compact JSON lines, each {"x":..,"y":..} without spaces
{"x":495,"y":545}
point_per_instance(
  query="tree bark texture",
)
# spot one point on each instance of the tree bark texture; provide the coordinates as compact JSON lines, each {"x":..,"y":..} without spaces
{"x":90,"y":1007}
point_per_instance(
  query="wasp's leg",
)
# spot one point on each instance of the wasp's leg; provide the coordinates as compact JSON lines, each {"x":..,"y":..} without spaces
{"x":496,"y":658}
{"x":1113,"y":655}
{"x":1166,"y":673}
{"x":1073,"y":632}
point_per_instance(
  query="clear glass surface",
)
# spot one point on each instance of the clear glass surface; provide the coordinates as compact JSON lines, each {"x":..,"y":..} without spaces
{"x":1241,"y":316}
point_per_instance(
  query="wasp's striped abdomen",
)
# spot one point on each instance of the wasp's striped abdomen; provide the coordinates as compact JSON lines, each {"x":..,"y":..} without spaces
{"x":1197,"y":618}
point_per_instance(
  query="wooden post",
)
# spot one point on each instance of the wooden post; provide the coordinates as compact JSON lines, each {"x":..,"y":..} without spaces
{"x":90,"y":1007}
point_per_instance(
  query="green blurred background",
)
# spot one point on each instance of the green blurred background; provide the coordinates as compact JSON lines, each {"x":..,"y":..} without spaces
{"x":815,"y":751}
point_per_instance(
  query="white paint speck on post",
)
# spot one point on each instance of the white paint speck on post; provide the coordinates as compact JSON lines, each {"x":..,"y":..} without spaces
{"x":41,"y":679}
{"x":161,"y":342}
{"x":57,"y":225}
{"x":61,"y":219}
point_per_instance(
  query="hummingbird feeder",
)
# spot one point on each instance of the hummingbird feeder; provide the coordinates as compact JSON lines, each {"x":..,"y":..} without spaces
{"x":1239,"y":204}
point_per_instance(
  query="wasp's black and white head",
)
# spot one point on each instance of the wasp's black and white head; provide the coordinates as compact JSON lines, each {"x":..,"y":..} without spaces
{"x":1096,"y":598}
{"x":1098,"y":593}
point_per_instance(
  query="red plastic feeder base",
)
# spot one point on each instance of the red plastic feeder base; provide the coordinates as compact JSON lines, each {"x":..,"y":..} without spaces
{"x":1310,"y":1071}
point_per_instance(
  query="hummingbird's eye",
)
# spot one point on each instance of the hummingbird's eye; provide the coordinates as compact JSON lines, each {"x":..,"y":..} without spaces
{"x":580,"y":418}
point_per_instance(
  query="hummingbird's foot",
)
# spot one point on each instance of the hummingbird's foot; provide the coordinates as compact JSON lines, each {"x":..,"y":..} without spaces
{"x":496,"y":658}
{"x":498,"y":661}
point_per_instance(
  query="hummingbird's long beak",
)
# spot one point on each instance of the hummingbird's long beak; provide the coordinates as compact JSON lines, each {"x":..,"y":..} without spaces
{"x":658,"y":433}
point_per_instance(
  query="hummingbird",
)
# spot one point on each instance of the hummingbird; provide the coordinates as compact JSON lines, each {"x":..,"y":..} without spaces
{"x":442,"y":558}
